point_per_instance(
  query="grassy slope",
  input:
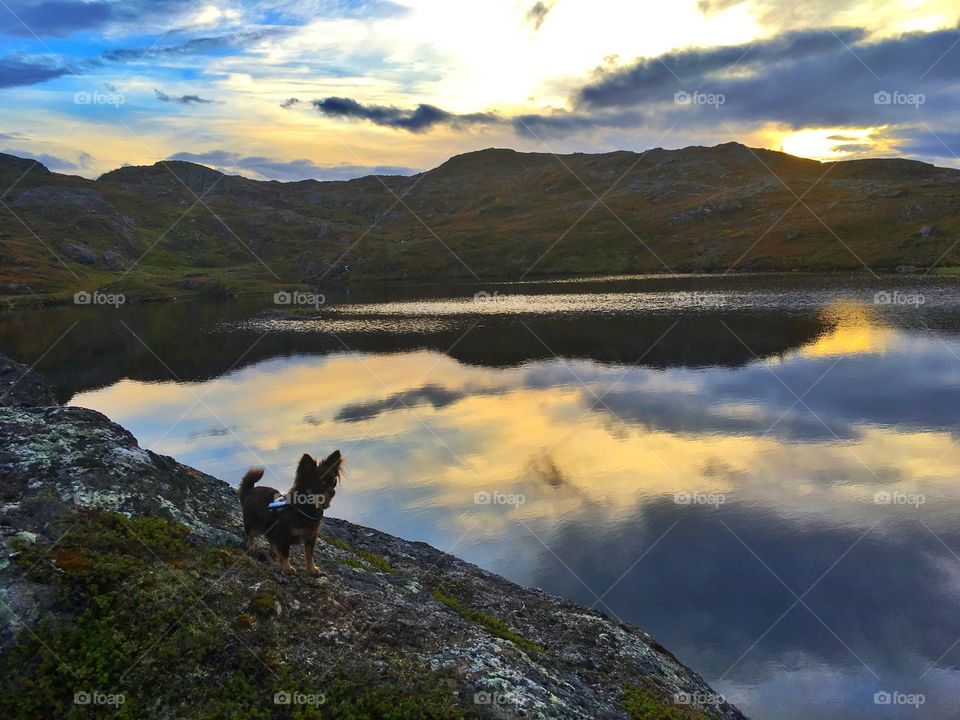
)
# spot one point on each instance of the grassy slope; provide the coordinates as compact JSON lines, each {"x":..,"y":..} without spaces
{"x":494,"y":213}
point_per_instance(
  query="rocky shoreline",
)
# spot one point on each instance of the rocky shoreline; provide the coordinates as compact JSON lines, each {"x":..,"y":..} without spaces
{"x":99,"y":533}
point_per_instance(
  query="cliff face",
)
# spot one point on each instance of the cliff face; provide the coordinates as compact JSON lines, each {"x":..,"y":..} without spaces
{"x":123,"y":585}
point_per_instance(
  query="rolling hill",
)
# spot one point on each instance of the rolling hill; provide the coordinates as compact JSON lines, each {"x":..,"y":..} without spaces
{"x":178,"y":228}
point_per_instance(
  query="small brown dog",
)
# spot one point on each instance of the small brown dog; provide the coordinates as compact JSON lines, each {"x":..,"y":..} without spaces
{"x":294,"y":517}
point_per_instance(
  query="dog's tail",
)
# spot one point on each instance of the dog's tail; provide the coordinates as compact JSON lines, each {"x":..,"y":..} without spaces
{"x":249,"y":480}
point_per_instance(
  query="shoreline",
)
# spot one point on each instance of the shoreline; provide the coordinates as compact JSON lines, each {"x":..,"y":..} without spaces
{"x":385,"y":600}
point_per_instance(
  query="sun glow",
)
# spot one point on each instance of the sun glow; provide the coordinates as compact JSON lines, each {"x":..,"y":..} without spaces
{"x":832,"y":143}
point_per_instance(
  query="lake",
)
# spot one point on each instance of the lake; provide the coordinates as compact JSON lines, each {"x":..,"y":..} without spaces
{"x":761,"y":471}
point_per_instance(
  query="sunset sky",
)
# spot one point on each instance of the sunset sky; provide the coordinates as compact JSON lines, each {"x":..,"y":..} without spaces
{"x":335,"y":89}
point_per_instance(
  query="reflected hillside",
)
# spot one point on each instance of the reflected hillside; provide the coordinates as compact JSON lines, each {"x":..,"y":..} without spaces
{"x":658,"y":322}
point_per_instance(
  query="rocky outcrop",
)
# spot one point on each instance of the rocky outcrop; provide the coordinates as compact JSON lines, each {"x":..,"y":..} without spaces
{"x":20,"y":386}
{"x":485,"y":646}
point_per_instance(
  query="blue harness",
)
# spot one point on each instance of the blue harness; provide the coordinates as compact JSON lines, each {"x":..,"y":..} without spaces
{"x":282,"y":504}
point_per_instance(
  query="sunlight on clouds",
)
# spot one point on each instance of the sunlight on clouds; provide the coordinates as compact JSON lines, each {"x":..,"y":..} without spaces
{"x":827,"y":143}
{"x":556,"y":452}
{"x":855,"y":332}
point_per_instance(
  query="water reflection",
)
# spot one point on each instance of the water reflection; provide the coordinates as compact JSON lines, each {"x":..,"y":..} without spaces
{"x":722,"y":492}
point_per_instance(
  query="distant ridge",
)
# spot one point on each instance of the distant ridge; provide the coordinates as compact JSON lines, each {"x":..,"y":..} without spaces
{"x":178,"y":227}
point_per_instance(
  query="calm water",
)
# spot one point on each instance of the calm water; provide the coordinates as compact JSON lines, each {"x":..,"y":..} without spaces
{"x":761,"y":472}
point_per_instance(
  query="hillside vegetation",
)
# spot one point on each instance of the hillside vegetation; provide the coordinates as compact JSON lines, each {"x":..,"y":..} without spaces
{"x":174,"y":227}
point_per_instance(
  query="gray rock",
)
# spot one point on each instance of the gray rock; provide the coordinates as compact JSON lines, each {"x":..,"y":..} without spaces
{"x":926,"y":231}
{"x":114,"y":260}
{"x":80,"y":253}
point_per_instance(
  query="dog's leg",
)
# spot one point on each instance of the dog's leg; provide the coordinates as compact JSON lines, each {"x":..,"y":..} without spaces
{"x":282,"y":551}
{"x":249,"y":539}
{"x":308,"y":546}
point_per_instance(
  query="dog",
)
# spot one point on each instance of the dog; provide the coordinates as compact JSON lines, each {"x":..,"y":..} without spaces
{"x":299,"y":517}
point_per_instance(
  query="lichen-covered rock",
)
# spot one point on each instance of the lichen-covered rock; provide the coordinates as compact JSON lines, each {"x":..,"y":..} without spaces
{"x":382,"y":603}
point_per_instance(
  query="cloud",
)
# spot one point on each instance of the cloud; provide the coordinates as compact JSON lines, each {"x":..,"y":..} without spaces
{"x":656,"y":79}
{"x":196,"y":46}
{"x":63,"y":18}
{"x":54,"y":18}
{"x":944,"y":144}
{"x":181,"y":99}
{"x":800,"y":79}
{"x":420,"y":119}
{"x":289,"y":103}
{"x":808,"y":78}
{"x":538,"y":13}
{"x":434,"y":395}
{"x":18,"y":70}
{"x":286,"y":170}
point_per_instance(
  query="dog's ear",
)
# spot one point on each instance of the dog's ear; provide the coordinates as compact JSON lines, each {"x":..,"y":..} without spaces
{"x":331,"y":467}
{"x":305,"y":468}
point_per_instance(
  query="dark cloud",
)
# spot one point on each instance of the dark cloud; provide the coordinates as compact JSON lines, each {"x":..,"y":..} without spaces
{"x":181,"y":99}
{"x":538,"y":13}
{"x":941,"y":144}
{"x":433,"y":395}
{"x":800,"y":79}
{"x":18,"y":70}
{"x":854,"y":148}
{"x":656,"y":79}
{"x":286,"y":170}
{"x":289,"y":103}
{"x":842,"y":399}
{"x":561,"y":122}
{"x":421,"y":119}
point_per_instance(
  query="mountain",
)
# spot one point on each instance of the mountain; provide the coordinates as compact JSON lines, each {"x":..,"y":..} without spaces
{"x":493,"y":214}
{"x":125,"y":585}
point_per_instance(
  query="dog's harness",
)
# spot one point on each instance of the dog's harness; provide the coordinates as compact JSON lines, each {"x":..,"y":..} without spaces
{"x":282,"y":504}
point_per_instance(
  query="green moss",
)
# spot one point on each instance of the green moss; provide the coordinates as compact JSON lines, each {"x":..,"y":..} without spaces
{"x":643,"y":704}
{"x":495,"y":626}
{"x":263,"y":605}
{"x":368,"y":557}
{"x":140,"y":613}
